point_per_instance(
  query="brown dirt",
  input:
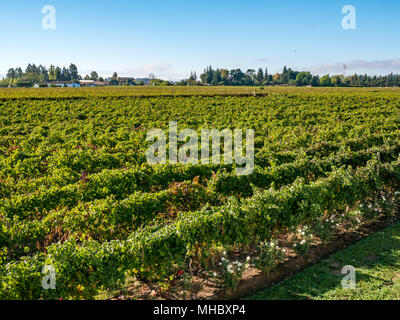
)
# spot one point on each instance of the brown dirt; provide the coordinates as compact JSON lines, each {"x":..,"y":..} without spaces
{"x":201,"y":287}
{"x":254,"y":280}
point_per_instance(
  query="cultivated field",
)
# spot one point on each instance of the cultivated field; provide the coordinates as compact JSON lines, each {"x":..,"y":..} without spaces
{"x":77,"y":194}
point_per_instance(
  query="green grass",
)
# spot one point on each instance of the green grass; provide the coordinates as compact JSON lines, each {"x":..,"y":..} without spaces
{"x":377,"y":263}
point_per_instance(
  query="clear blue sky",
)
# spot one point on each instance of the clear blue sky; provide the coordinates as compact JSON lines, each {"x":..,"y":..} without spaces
{"x":172,"y":37}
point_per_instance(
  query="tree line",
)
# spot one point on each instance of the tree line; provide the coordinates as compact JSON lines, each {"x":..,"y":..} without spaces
{"x":236,"y":77}
{"x":215,"y":77}
{"x":37,"y":74}
{"x":16,"y":77}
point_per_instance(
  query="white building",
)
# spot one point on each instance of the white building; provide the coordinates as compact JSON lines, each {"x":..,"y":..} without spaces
{"x":68,"y":84}
{"x":91,"y":83}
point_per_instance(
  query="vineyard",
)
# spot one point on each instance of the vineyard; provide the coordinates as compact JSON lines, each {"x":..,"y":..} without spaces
{"x":77,"y":193}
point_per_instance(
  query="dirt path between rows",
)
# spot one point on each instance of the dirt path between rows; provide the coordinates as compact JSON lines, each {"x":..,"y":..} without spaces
{"x":254,"y":280}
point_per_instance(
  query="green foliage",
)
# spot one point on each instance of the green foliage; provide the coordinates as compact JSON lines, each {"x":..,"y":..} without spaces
{"x":76,"y":192}
{"x":230,"y":272}
{"x":269,"y":256}
{"x":376,"y":262}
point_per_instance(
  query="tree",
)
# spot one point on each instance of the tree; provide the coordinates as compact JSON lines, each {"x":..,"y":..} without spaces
{"x":237,"y":77}
{"x":207,"y":76}
{"x":225,"y":77}
{"x":19,"y":73}
{"x":277,"y":79}
{"x":43,"y":73}
{"x":260,"y":76}
{"x":31,"y":68}
{"x":251,"y":73}
{"x":11,"y":75}
{"x":192,"y":79}
{"x":315,"y":81}
{"x":51,"y":73}
{"x":57,"y":74}
{"x":303,"y":79}
{"x":266,"y":77}
{"x":354,"y":80}
{"x":216,"y":79}
{"x":325,"y":81}
{"x":65,"y":74}
{"x":94,"y":76}
{"x":73,"y":71}
{"x":114,"y":79}
{"x":285,"y":75}
{"x":337,"y":80}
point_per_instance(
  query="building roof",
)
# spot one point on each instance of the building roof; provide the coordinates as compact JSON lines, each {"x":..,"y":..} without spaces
{"x":86,"y":81}
{"x":62,"y":82}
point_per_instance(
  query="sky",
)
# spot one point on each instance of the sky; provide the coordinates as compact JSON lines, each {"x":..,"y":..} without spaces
{"x":170,"y":38}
